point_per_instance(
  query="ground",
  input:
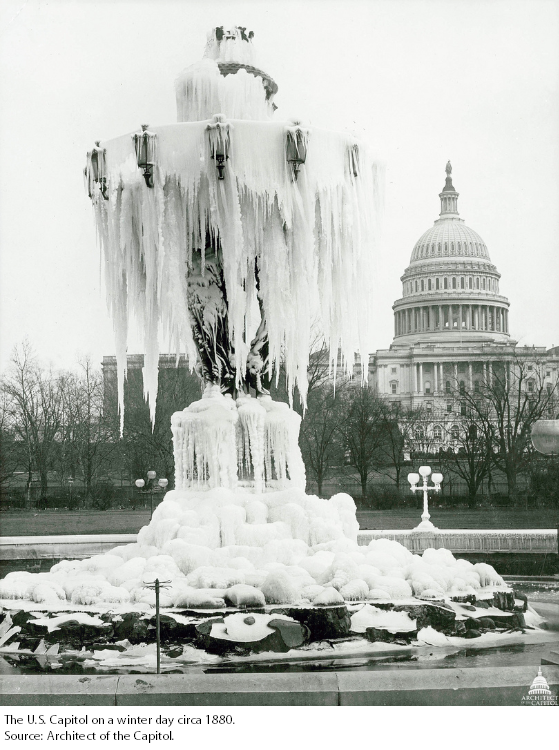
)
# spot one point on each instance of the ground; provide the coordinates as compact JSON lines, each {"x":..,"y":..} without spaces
{"x":46,"y":523}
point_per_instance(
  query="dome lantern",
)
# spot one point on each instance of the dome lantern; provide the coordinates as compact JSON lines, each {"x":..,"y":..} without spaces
{"x":449,"y":196}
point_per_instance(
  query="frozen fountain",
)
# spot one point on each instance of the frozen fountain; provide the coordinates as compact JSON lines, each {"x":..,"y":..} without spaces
{"x":226,"y":234}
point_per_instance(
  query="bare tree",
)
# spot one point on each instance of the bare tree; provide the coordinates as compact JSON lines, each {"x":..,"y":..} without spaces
{"x":88,"y":435}
{"x":469,"y":457}
{"x":511,"y":399}
{"x":146,"y":446}
{"x":35,"y":409}
{"x":405,"y":431}
{"x":12,"y":457}
{"x":362,"y":428}
{"x":320,"y":444}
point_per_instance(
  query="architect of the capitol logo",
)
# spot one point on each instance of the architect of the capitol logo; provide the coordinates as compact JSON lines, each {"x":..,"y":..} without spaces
{"x":539,"y":693}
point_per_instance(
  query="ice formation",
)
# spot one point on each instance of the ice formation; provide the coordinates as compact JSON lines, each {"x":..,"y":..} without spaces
{"x":217,"y":440}
{"x":218,"y":547}
{"x":297,"y":249}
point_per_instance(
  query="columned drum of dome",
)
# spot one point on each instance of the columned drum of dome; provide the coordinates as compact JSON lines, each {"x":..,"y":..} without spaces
{"x":450,"y":290}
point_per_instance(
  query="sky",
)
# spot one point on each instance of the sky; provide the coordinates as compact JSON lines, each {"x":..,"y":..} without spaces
{"x":473,"y":81}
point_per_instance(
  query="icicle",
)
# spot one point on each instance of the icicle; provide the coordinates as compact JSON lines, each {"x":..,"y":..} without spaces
{"x":204,"y":441}
{"x":283,"y":460}
{"x":251,"y":420}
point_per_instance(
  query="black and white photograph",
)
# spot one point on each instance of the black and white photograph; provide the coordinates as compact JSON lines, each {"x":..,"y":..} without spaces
{"x":279,"y":370}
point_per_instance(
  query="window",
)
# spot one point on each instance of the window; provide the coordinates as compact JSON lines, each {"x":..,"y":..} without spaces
{"x":429,"y":406}
{"x":422,"y":287}
{"x":394,"y":387}
{"x":471,"y":282}
{"x":436,"y":284}
{"x":446,"y":283}
{"x":454,"y":282}
{"x":427,"y":386}
{"x":477,"y":282}
{"x":472,"y":432}
{"x":454,"y":433}
{"x":429,"y":285}
{"x":449,"y":406}
{"x":419,"y":434}
{"x":462,"y":387}
{"x":549,"y":388}
{"x":447,"y":386}
{"x":483,"y":283}
{"x":548,"y":373}
{"x":416,"y":286}
{"x":530,"y":386}
{"x":476,"y":386}
{"x":462,"y":410}
{"x":437,"y":432}
{"x":530,"y":367}
{"x":461,"y":282}
{"x":394,"y":370}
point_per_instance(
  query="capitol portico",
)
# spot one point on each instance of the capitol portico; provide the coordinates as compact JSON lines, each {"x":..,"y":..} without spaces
{"x":451,"y":325}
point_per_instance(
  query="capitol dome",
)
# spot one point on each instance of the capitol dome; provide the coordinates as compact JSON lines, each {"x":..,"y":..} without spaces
{"x":449,"y":237}
{"x":450,"y":290}
{"x":539,"y":685}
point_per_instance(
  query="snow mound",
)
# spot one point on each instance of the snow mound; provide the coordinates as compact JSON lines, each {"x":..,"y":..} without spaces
{"x":257,"y":550}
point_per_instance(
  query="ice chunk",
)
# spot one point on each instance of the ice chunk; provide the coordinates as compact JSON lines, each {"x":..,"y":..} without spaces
{"x":355,"y":590}
{"x":488,"y":575}
{"x":432,"y":637}
{"x":242,"y":595}
{"x":215,"y":578}
{"x":328,"y":597}
{"x":191,"y":597}
{"x":373,"y":617}
{"x":279,"y":588}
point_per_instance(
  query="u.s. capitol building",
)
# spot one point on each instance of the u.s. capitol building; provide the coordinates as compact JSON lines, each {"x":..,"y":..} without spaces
{"x":451,"y":327}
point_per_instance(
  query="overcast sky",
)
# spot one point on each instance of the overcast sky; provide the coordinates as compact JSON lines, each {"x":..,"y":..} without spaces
{"x":428,"y":80}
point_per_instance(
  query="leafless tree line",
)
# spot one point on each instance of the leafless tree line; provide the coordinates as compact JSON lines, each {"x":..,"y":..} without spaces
{"x":67,"y":424}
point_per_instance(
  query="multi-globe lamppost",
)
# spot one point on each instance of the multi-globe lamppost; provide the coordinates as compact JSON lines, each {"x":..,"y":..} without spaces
{"x":426,"y":488}
{"x":151,"y":481}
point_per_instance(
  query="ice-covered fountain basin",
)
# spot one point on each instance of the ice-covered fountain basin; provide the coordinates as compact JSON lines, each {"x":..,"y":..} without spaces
{"x":26,"y":549}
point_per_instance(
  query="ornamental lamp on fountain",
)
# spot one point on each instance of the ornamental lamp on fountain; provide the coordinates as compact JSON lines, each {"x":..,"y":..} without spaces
{"x":145,"y":146}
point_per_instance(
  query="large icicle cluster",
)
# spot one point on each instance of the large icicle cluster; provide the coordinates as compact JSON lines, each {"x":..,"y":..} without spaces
{"x":221,"y":546}
{"x":216,"y":441}
{"x":313,"y":239}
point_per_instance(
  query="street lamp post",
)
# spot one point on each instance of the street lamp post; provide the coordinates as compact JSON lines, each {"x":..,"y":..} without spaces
{"x":426,"y":488}
{"x":157,"y":585}
{"x":71,"y":484}
{"x":140,"y":483}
